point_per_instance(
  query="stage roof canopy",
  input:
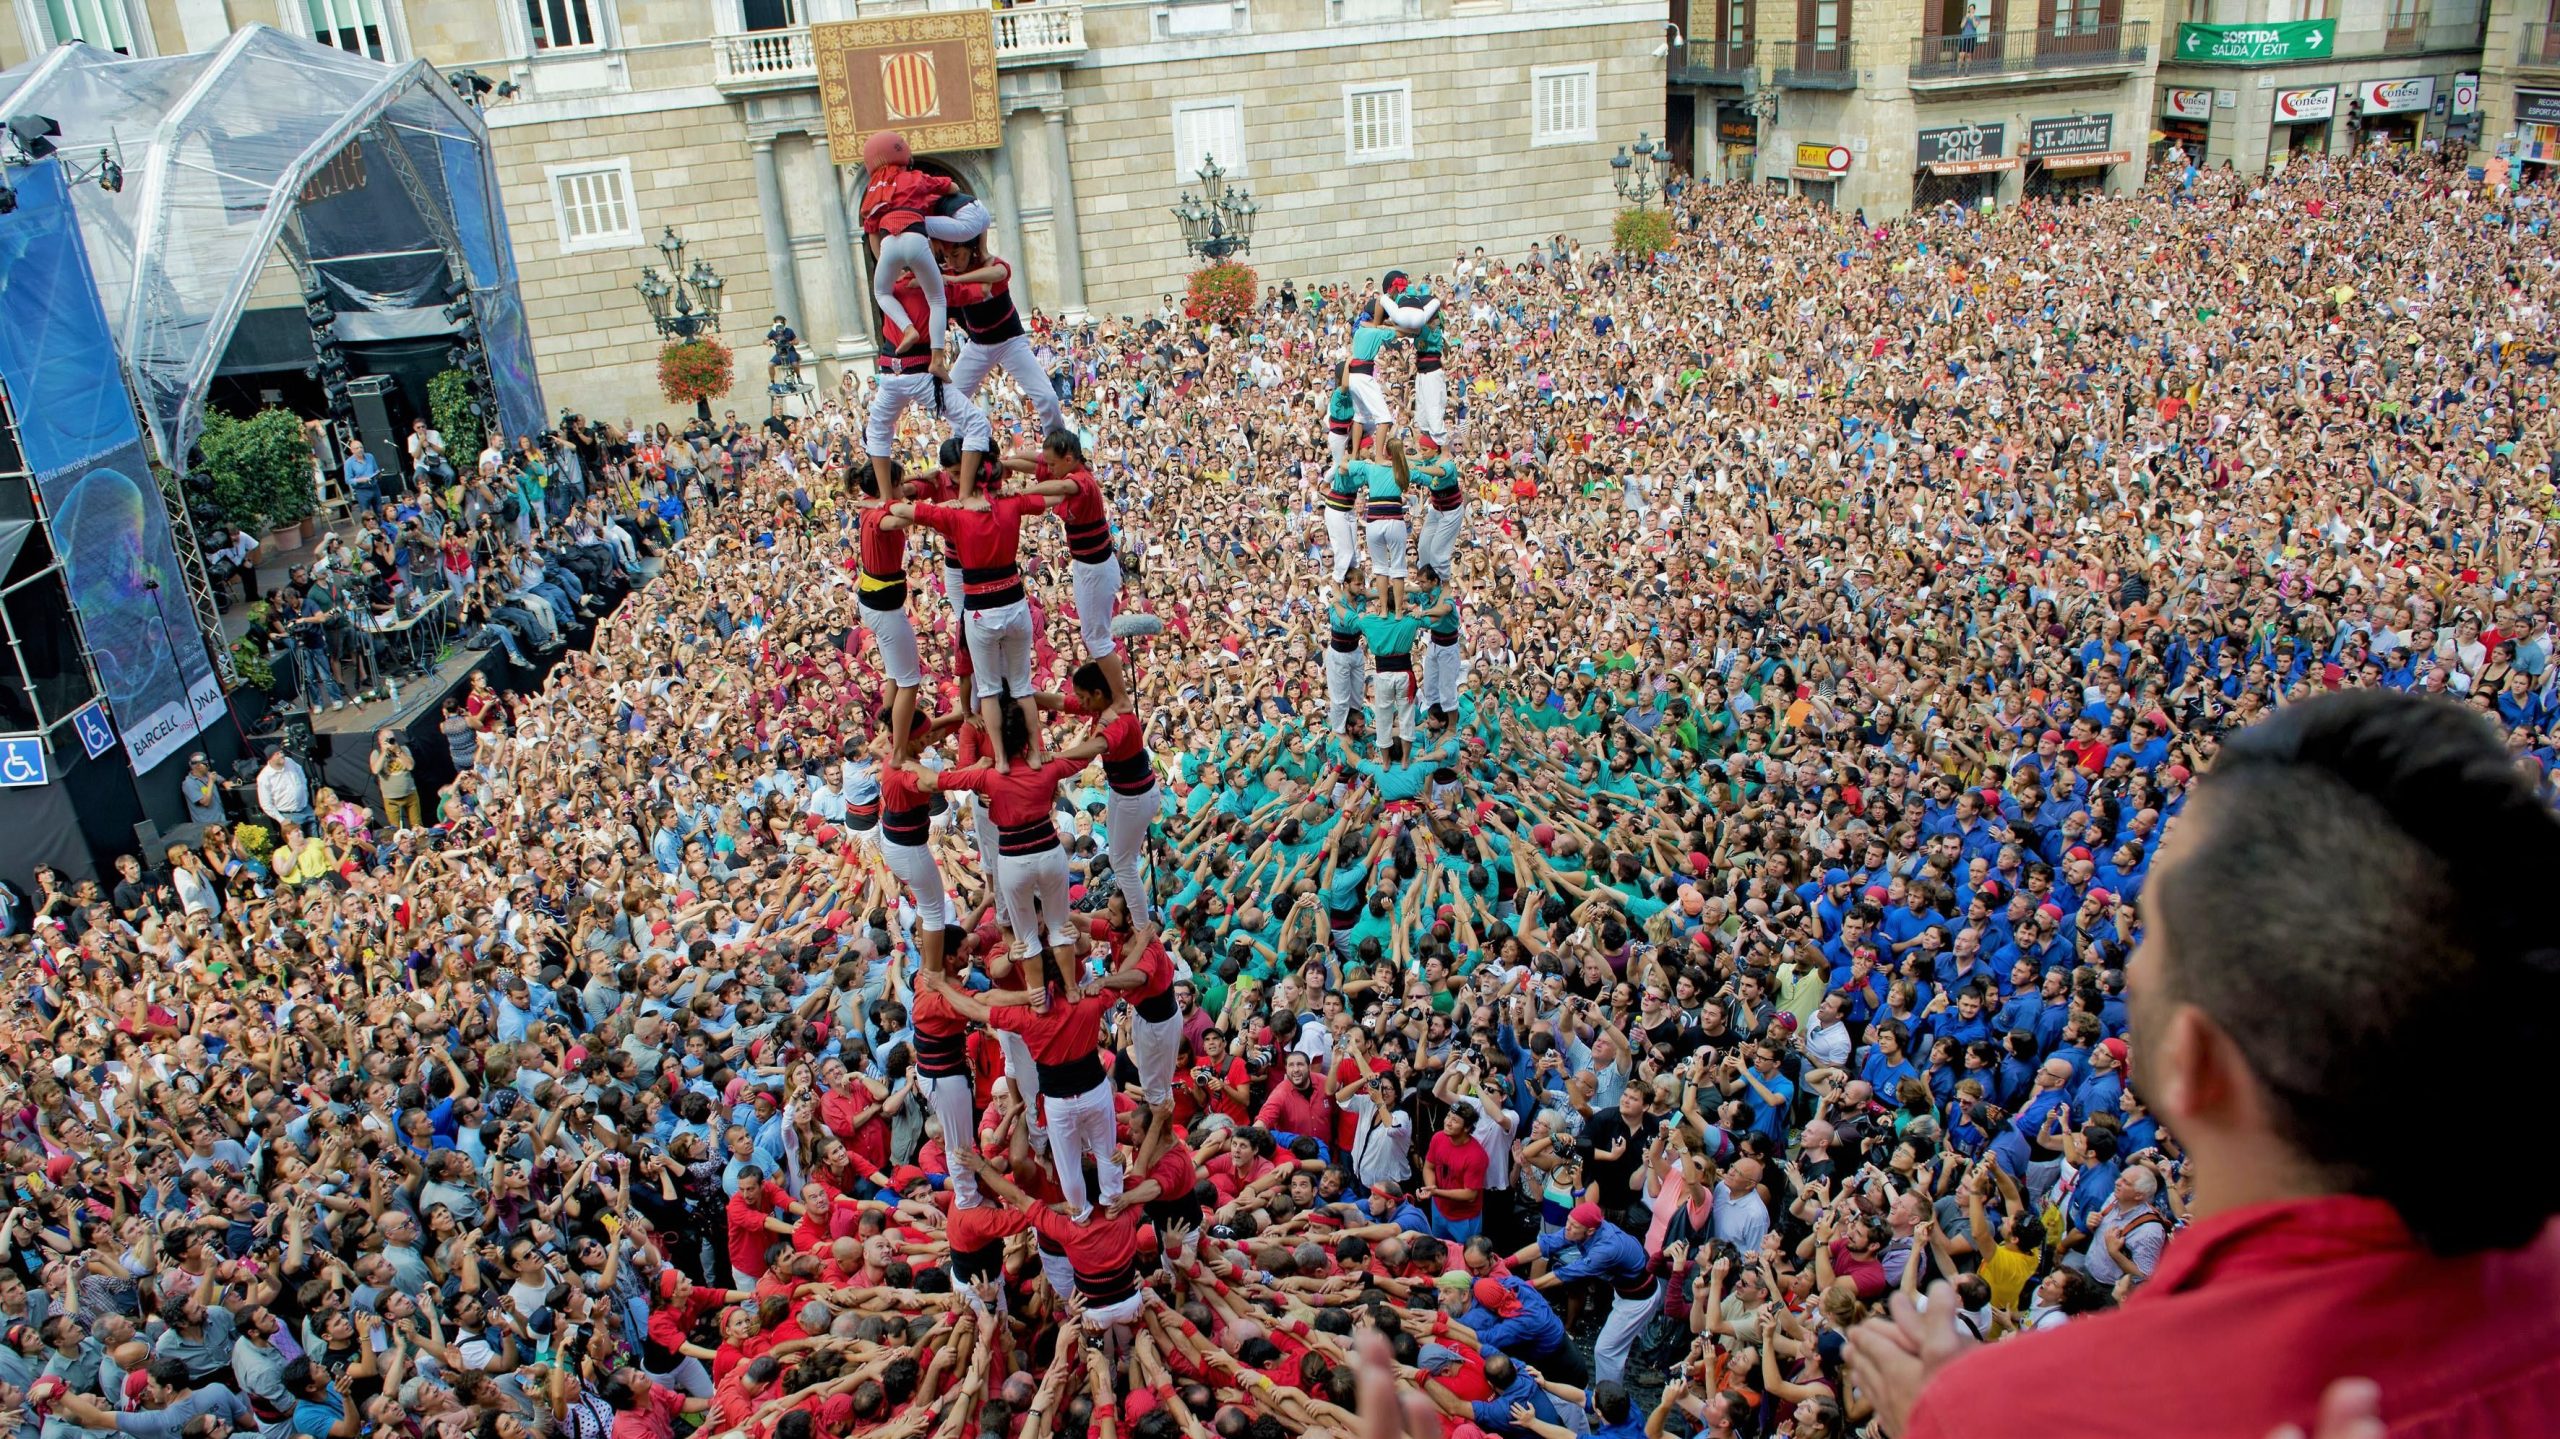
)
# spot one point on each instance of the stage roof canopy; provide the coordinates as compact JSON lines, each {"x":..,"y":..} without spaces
{"x":231,"y":152}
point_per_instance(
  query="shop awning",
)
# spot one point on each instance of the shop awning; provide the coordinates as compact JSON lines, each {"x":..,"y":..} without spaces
{"x":2085,"y":162}
{"x":1988,"y":165}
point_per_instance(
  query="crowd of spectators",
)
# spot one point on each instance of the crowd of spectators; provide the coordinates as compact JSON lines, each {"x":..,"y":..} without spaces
{"x":1938,"y":839}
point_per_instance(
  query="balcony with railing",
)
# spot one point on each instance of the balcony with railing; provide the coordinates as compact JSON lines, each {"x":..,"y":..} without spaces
{"x":1939,"y":62}
{"x":2404,"y":27}
{"x":783,"y":59}
{"x":1713,"y":62}
{"x":2541,"y":48}
{"x":1814,"y":65}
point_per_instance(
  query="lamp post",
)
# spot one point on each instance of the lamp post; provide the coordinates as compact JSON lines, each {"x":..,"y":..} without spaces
{"x":683,"y":304}
{"x":1644,"y":175}
{"x":1219,"y":221}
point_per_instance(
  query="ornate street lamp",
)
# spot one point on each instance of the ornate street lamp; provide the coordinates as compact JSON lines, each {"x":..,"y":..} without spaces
{"x":682,"y":303}
{"x":1643,"y":176}
{"x":1219,"y":222}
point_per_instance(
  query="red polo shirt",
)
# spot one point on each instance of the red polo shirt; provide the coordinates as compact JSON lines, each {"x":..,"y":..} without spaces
{"x":670,"y":1323}
{"x":1458,"y":1164}
{"x":654,"y":1419}
{"x":1103,"y":1250}
{"x":748,"y":1238}
{"x":1064,"y":1040}
{"x":2252,"y":1313}
{"x":1290,"y":1112}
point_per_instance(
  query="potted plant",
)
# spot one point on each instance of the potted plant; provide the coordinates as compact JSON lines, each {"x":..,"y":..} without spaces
{"x":261,"y":472}
{"x":1222,"y":293}
{"x":457,"y":411}
{"x":1641,"y":233}
{"x":695,"y":372}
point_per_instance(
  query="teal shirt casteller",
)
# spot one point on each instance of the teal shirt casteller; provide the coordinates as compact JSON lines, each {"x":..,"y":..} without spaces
{"x":1440,"y":473}
{"x":1398,"y":781}
{"x":1379,"y":480}
{"x":1369,"y":340}
{"x":1430,"y":599}
{"x":1390,"y":634}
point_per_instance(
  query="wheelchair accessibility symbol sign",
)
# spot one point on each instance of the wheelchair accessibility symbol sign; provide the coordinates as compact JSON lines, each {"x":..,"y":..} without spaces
{"x":22,"y":761}
{"x":96,"y":735}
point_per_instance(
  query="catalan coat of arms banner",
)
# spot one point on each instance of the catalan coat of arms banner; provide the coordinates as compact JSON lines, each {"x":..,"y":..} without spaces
{"x":931,"y":77}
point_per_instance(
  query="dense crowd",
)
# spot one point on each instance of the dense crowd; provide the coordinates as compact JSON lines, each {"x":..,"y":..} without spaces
{"x":1600,"y":853}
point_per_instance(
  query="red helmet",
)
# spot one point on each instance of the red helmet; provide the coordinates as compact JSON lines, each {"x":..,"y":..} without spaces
{"x":884,"y":149}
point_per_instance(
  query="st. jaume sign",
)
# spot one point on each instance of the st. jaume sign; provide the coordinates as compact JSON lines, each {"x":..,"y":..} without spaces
{"x":2255,"y":44}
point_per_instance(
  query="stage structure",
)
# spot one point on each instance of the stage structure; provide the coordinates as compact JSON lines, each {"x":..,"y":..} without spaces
{"x":375,"y":183}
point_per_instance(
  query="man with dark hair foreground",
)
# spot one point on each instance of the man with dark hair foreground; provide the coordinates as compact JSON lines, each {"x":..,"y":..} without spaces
{"x":2356,"y":889}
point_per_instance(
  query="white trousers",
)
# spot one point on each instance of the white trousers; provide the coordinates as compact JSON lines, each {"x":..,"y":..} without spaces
{"x":1026,"y":1080}
{"x":896,"y":392}
{"x":1439,"y":542}
{"x":1122,"y":1312}
{"x":1627,"y":1319}
{"x":914,"y":864}
{"x":1037,"y":880}
{"x":1410,"y":318}
{"x":1060,"y":1272}
{"x":1387,"y":546}
{"x":954,"y":1103}
{"x":1158,"y":1046}
{"x":1126,"y":819}
{"x":1431,"y":403}
{"x":1097,"y":590}
{"x":1439,"y":676}
{"x":1391,"y":704}
{"x":1337,"y":442}
{"x":895,"y":633}
{"x":983,"y":825}
{"x":1342,"y":676}
{"x":1368,"y":400}
{"x":1082,"y":1124}
{"x":912,"y":253}
{"x":1000,"y":650}
{"x":969,"y":371}
{"x":1342,"y":531}
{"x":689,"y":1375}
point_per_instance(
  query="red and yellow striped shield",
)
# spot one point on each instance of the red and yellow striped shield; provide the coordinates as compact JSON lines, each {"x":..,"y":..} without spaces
{"x":908,"y":87}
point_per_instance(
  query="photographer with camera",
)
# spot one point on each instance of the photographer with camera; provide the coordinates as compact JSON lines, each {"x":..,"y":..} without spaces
{"x":785,"y":358}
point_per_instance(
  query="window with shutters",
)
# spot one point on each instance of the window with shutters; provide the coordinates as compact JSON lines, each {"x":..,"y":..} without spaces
{"x":1561,"y":105}
{"x":1207,"y":130}
{"x":106,"y":24}
{"x":360,"y":27}
{"x":1377,"y":123}
{"x":2077,"y":26}
{"x":554,"y":25}
{"x":593,"y":206}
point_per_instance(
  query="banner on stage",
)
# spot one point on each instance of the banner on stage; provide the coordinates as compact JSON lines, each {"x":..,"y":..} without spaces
{"x":931,"y":77}
{"x":102,"y":505}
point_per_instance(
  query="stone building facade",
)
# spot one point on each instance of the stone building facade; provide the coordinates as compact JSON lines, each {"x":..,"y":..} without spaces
{"x":2381,"y":70}
{"x":1881,"y":105}
{"x":2519,"y":87}
{"x":1372,"y":133}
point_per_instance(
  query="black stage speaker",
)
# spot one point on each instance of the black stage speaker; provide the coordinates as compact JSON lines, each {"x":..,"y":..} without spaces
{"x":382,"y":418}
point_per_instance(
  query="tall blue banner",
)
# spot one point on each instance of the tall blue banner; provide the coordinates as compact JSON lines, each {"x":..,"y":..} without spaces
{"x":482,"y":226}
{"x":102,"y":507}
